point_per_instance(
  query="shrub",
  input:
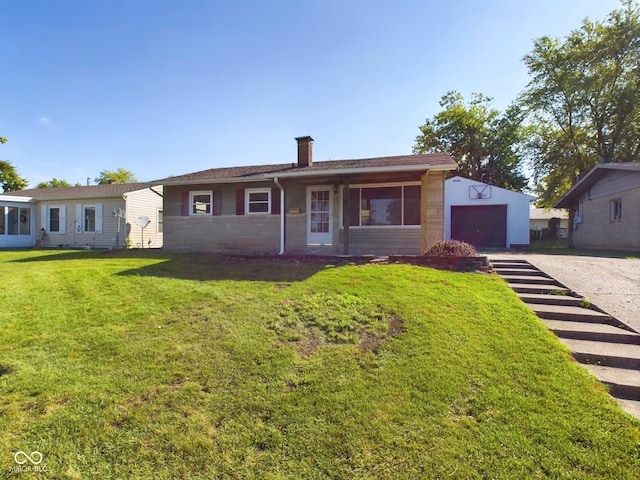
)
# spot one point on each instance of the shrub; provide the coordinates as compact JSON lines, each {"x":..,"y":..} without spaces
{"x":452,"y":248}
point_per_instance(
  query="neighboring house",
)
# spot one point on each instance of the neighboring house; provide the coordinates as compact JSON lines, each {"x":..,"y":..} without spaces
{"x":17,"y":221}
{"x":539,"y":221}
{"x":486,"y":216}
{"x":85,"y":217}
{"x":368,"y":206}
{"x":607,"y":206}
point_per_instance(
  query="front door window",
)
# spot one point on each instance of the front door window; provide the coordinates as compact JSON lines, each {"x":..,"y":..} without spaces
{"x":319,"y":202}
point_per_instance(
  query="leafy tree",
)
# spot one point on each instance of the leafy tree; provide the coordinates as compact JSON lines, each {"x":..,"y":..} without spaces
{"x":119,"y":176}
{"x":9,"y":178}
{"x":55,"y":183}
{"x":483,"y":141}
{"x":584,"y":101}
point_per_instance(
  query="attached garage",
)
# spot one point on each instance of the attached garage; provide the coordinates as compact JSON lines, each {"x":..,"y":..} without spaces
{"x":484,"y":215}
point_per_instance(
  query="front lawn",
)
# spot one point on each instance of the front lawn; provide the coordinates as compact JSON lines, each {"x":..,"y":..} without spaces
{"x":155,"y":365}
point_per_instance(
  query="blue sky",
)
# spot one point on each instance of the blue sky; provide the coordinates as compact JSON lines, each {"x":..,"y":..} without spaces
{"x":170,"y":87}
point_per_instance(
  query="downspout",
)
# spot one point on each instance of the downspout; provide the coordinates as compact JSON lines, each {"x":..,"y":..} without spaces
{"x":282,"y":215}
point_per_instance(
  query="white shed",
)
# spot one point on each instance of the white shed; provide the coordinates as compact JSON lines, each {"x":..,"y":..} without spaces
{"x":484,"y":215}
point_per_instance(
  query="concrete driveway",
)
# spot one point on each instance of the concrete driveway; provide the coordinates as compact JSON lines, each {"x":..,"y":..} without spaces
{"x":612,"y":284}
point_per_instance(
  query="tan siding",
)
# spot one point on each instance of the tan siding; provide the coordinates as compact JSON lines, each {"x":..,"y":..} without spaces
{"x":383,"y":241}
{"x":79,"y":239}
{"x":142,"y":203}
{"x":615,"y":182}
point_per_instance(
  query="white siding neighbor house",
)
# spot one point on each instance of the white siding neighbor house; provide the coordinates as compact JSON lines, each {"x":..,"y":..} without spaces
{"x":98,"y":216}
{"x":17,"y":221}
{"x":484,"y":215}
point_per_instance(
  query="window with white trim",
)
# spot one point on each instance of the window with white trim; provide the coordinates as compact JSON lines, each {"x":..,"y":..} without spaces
{"x":384,"y":205}
{"x":258,"y":200}
{"x":160,"y":220}
{"x":201,"y":203}
{"x":616,"y":210}
{"x":89,"y":218}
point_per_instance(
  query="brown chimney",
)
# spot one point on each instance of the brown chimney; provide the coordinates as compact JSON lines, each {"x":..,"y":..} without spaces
{"x":305,"y":146}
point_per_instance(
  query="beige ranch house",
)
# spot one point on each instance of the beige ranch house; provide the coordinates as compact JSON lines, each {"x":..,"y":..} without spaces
{"x":369,"y":206}
{"x":95,"y":216}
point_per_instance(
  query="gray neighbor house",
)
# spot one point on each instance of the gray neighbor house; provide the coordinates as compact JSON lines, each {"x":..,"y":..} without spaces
{"x":607,"y":205}
{"x":368,"y":206}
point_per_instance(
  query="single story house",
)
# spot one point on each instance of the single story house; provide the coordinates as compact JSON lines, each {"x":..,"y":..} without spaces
{"x":367,"y":206}
{"x":97,"y":216}
{"x":484,"y":215}
{"x":539,"y":221}
{"x":606,"y":202}
{"x":17,"y":221}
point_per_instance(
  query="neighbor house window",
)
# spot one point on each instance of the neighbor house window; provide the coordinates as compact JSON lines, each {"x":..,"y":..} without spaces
{"x":201,"y":203}
{"x":258,"y":200}
{"x":616,"y":210}
{"x":160,"y":221}
{"x":19,"y":221}
{"x":89,"y":219}
{"x":3,"y":219}
{"x":54,"y":219}
{"x":384,"y":205}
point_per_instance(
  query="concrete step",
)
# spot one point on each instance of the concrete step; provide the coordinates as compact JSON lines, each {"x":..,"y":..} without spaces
{"x":548,"y":299}
{"x":598,"y":332}
{"x":537,"y":288}
{"x":536,"y":280}
{"x":529,"y":272}
{"x":569,"y":313}
{"x":617,"y":355}
{"x":623,"y":383}
{"x":501,"y":261}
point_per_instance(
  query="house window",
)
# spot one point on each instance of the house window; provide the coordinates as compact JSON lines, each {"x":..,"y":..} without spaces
{"x":384,"y":206}
{"x":201,"y":203}
{"x":89,"y":219}
{"x":578,"y":216}
{"x":3,"y":219}
{"x":258,"y":200}
{"x":54,"y":219}
{"x":616,"y":210}
{"x":160,"y":221}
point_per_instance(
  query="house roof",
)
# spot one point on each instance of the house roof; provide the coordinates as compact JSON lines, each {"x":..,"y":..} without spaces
{"x":403,"y":163}
{"x":596,"y":173}
{"x":92,"y":191}
{"x":547,"y":213}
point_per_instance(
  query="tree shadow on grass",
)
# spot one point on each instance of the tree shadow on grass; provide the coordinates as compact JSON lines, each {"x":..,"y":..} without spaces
{"x":197,"y":266}
{"x":209,"y":267}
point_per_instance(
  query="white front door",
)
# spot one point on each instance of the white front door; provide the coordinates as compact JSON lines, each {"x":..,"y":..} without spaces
{"x":319,"y":217}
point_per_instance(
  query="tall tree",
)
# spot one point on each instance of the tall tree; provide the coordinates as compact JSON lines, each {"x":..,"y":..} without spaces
{"x":10,"y":181}
{"x":484,"y":141}
{"x":55,"y":183}
{"x":121,"y":175}
{"x":584,"y":100}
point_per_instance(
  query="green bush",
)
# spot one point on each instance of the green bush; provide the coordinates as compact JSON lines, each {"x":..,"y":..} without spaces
{"x":452,"y":248}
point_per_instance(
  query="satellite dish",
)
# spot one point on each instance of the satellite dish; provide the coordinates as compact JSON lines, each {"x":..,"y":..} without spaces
{"x":142,"y":221}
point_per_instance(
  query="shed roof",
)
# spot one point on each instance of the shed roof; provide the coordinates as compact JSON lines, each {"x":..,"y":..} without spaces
{"x":596,"y":173}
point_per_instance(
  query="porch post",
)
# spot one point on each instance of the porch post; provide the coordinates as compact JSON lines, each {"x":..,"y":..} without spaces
{"x":346,"y":204}
{"x":424,"y":244}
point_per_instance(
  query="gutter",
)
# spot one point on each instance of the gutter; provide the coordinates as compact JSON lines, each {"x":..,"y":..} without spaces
{"x":157,"y":193}
{"x":282,"y":215}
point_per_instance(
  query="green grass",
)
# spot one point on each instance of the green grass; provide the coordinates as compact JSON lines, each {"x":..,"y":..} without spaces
{"x":153,"y":365}
{"x":561,"y":247}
